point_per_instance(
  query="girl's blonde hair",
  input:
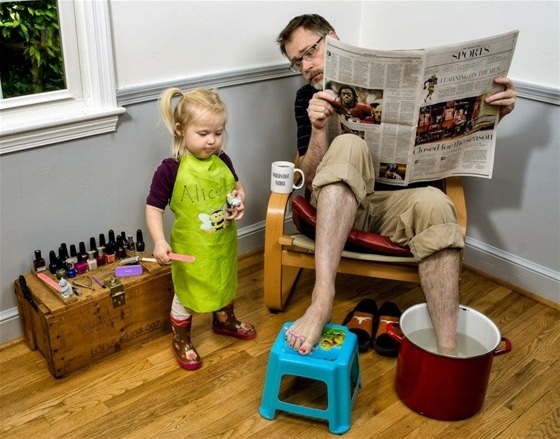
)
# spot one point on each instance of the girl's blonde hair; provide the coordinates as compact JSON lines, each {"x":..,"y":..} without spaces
{"x":192,"y":105}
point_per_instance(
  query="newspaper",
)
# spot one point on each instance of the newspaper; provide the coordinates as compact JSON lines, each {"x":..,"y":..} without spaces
{"x":422,"y":112}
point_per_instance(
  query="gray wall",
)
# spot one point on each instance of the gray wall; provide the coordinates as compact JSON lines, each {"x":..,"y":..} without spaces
{"x":70,"y":191}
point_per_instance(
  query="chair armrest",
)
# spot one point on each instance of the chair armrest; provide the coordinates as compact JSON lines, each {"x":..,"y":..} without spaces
{"x":275,"y":217}
{"x":274,"y":227}
{"x":273,"y":270}
{"x":454,"y":190}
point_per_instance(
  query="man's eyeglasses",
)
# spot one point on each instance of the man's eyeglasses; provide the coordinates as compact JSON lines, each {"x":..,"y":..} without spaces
{"x":308,"y":55}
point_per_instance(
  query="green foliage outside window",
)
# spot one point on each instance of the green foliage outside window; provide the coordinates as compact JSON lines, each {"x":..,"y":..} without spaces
{"x":31,"y":59}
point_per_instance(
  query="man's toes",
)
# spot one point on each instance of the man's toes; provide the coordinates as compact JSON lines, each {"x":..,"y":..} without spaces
{"x":305,"y":348}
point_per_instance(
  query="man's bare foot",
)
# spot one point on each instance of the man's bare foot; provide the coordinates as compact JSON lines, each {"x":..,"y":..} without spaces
{"x":450,"y":351}
{"x":306,"y":331}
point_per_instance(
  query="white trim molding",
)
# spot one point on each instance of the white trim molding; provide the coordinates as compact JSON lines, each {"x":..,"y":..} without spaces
{"x":152,"y":91}
{"x":537,"y":92}
{"x":517,"y":271}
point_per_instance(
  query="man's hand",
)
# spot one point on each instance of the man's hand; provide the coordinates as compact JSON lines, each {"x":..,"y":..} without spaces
{"x":320,"y":107}
{"x":506,"y":98}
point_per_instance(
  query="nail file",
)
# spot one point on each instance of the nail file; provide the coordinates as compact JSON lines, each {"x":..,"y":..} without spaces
{"x":130,"y":261}
{"x":49,"y":281}
{"x":182,"y":258}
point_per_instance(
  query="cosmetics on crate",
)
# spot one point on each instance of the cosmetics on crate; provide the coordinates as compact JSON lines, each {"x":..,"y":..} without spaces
{"x":70,"y":261}
{"x":52,"y":262}
{"x":101,"y":258}
{"x":83,"y":251}
{"x":81,"y":266}
{"x":60,"y":270}
{"x":139,"y":241}
{"x":91,"y":261}
{"x":39,"y":263}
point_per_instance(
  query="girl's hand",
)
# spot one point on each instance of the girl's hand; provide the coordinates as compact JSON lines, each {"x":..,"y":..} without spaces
{"x":237,"y":212}
{"x":161,"y":249}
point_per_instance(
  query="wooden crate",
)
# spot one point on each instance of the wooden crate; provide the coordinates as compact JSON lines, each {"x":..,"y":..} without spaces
{"x":74,"y":332}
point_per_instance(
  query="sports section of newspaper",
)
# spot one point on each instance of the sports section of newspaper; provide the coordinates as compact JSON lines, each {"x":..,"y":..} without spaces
{"x":422,"y":112}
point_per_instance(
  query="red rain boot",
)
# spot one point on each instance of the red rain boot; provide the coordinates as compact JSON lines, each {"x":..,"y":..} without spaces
{"x":225,"y":323}
{"x":185,"y":353}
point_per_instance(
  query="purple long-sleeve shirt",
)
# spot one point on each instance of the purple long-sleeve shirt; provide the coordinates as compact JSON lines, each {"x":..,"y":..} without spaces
{"x":164,"y":178}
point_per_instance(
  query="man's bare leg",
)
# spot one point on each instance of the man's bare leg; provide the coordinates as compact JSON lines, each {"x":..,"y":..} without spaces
{"x":439,"y":278}
{"x":336,"y":213}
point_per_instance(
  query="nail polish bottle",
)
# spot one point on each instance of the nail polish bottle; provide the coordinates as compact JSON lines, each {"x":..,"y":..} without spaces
{"x":52,"y":262}
{"x":39,"y":262}
{"x":101,"y":249}
{"x":111,"y":238}
{"x":64,"y":251}
{"x":102,"y":242}
{"x":73,"y":258}
{"x":101,"y":258}
{"x":120,"y":252}
{"x":60,"y":270}
{"x":110,"y":252}
{"x":93,"y":246}
{"x":83,"y":250}
{"x":140,"y":247}
{"x":70,"y":270}
{"x":91,"y":261}
{"x":124,"y":240}
{"x":81,"y":266}
{"x":130,"y":244}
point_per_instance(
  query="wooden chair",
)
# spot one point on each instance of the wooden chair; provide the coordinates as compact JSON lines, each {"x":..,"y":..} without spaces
{"x":285,"y":255}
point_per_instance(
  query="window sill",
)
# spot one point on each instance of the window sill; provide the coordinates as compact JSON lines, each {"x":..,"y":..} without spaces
{"x":61,"y":127}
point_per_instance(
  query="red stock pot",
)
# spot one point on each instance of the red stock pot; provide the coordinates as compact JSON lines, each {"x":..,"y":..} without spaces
{"x":439,"y":386}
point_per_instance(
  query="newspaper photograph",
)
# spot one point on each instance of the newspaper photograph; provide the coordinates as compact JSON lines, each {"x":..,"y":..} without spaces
{"x":422,"y":112}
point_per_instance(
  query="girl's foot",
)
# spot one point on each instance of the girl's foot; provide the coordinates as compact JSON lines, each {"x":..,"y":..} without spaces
{"x":224,"y":322}
{"x":185,"y":353}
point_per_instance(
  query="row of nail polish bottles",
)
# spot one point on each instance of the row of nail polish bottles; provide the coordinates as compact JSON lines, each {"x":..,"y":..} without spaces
{"x":69,"y":263}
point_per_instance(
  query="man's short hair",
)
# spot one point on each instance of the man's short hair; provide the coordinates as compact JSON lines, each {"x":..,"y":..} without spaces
{"x":312,"y":22}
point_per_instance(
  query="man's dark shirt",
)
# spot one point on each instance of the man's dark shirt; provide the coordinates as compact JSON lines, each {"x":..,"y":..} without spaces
{"x":303,"y":96}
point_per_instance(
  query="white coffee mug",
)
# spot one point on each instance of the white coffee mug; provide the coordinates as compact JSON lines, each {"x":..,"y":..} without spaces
{"x":282,"y":177}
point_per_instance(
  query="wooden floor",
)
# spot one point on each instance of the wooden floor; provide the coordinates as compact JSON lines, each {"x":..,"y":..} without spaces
{"x":142,"y":393}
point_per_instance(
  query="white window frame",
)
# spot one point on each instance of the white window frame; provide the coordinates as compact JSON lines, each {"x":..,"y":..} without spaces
{"x":89,"y":104}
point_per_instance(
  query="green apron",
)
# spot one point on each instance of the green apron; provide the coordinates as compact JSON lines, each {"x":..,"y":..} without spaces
{"x":200,"y":229}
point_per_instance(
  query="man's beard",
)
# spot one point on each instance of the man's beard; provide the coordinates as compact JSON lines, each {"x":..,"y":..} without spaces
{"x":316,"y":84}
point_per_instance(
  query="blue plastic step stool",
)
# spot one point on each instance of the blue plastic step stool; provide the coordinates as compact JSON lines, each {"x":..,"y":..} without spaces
{"x":334,"y":360}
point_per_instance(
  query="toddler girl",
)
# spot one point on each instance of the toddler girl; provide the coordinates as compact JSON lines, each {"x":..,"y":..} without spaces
{"x":203,"y":191}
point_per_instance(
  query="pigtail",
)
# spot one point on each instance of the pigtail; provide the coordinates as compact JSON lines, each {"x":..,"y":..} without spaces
{"x":168,"y":114}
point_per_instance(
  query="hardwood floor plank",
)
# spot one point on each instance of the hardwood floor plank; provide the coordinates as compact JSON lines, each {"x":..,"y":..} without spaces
{"x":548,"y":427}
{"x":544,"y":407}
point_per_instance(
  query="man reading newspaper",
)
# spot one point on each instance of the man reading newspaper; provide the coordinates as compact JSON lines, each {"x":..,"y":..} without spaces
{"x":339,"y":172}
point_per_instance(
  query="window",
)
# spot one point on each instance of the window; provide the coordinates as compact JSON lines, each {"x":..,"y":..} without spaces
{"x":88,"y":105}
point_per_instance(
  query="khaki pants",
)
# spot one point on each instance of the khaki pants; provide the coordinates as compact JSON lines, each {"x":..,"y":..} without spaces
{"x":423,"y":218}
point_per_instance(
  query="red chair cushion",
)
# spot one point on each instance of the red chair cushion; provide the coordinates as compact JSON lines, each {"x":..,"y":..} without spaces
{"x":304,"y":216}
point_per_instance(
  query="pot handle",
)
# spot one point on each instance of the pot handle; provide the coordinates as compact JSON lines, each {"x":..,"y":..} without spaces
{"x":506,"y":348}
{"x":398,"y":338}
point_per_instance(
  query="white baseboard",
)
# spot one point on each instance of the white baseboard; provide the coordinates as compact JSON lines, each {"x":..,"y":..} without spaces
{"x":9,"y":325}
{"x":514,"y":270}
